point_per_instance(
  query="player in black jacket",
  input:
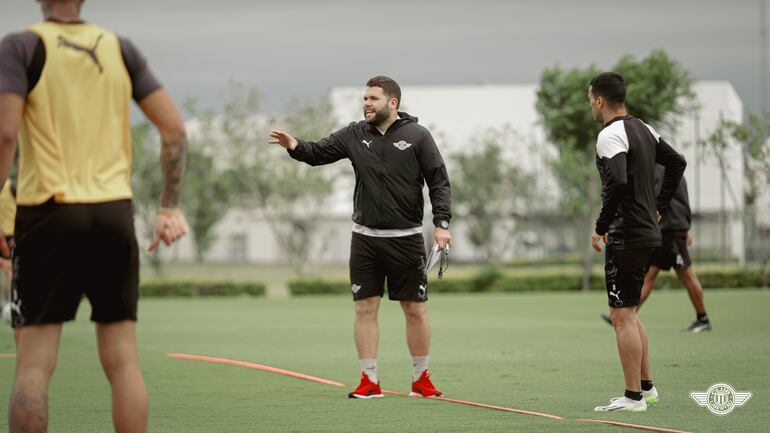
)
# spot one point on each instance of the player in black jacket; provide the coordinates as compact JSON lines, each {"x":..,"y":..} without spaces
{"x":393,"y":158}
{"x":675,"y":231}
{"x":626,"y":153}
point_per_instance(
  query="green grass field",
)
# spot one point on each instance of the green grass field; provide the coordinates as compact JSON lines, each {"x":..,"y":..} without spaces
{"x":543,"y":352}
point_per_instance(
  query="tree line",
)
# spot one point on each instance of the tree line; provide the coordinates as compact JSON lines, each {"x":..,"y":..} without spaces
{"x":230,"y":165}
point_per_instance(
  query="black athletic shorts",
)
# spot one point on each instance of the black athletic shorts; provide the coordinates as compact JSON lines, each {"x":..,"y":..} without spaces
{"x":66,"y":251}
{"x":673,"y":252}
{"x":624,"y":272}
{"x":400,"y":261}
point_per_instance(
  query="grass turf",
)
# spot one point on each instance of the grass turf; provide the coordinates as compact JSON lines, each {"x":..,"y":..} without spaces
{"x":542,"y":352}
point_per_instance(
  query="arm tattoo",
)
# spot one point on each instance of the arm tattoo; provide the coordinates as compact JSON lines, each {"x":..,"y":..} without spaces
{"x":173,"y":157}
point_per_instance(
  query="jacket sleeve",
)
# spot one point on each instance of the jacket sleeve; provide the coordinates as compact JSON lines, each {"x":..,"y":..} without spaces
{"x":615,"y":188}
{"x":325,"y":151}
{"x":675,"y":164}
{"x":436,"y":177}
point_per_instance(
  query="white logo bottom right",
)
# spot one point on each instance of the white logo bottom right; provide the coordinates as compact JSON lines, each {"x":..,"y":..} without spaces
{"x":721,"y":398}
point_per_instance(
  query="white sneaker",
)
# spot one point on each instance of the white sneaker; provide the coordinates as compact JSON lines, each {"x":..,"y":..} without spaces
{"x":623,"y":403}
{"x":5,"y":312}
{"x":651,"y":396}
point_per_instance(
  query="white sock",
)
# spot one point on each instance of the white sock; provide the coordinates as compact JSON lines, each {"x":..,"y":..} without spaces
{"x":369,"y":367}
{"x":419,"y":364}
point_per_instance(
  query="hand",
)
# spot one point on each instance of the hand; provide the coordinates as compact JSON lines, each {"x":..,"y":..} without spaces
{"x":287,"y":141}
{"x":595,"y":238}
{"x":442,"y":237}
{"x":658,"y":215}
{"x":5,"y":249}
{"x":690,"y":240}
{"x":170,"y":225}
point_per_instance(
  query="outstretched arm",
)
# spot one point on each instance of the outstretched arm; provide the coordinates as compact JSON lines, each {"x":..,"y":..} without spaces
{"x":325,"y":151}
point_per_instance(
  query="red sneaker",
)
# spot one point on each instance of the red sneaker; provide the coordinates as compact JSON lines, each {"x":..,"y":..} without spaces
{"x":366,"y":389}
{"x":424,"y":388}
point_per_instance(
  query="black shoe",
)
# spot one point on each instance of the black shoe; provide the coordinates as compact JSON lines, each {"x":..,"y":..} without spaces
{"x":606,"y":318}
{"x":698,"y":326}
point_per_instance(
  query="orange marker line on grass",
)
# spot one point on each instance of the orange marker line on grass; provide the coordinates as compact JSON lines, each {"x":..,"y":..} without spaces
{"x":7,"y":355}
{"x":256,"y":367}
{"x":342,"y":385}
{"x":492,"y":406}
{"x":636,"y":426}
{"x":451,"y":400}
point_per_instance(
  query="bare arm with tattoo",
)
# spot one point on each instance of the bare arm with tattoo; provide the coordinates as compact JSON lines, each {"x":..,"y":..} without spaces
{"x":11,"y":111}
{"x":170,"y":224}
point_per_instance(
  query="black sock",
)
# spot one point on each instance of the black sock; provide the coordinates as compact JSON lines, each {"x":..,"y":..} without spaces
{"x":633,"y":395}
{"x":646,"y":385}
{"x":703,"y":318}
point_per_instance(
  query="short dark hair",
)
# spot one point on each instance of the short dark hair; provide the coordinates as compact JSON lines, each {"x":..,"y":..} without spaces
{"x":611,"y":86}
{"x":388,"y":86}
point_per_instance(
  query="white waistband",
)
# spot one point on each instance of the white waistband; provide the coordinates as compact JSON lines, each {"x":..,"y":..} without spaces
{"x":386,"y":233}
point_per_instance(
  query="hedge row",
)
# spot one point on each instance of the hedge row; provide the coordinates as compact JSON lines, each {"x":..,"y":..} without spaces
{"x":492,"y":280}
{"x":576,"y":259}
{"x":200,"y":288}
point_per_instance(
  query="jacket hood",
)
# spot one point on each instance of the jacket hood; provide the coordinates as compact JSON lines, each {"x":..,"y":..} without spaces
{"x":406,"y":117}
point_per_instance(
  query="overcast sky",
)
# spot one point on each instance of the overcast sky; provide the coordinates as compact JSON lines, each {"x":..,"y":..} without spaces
{"x":302,"y":48}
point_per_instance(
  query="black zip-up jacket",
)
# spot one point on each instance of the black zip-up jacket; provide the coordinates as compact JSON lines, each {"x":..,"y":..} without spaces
{"x":391,"y":170}
{"x":679,"y":215}
{"x":627,"y":150}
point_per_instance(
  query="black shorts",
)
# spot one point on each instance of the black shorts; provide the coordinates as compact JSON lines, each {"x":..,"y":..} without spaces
{"x":66,"y":251}
{"x":673,"y":252}
{"x":624,"y":272}
{"x":400,"y":261}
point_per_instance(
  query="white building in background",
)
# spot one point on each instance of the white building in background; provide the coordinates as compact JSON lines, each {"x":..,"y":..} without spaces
{"x":456,"y":115}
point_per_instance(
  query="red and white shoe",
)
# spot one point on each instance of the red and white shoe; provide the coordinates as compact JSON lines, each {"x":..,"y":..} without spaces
{"x":424,"y":387}
{"x":366,"y":389}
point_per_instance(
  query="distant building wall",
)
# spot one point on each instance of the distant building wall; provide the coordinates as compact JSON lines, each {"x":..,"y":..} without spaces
{"x":455,"y":114}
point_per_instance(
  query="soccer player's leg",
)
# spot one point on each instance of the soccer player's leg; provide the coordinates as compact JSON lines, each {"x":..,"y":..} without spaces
{"x":418,"y":341}
{"x":43,"y":297}
{"x":367,"y":336}
{"x":120,"y":360}
{"x":690,"y":280}
{"x":367,"y":282}
{"x":649,"y":283}
{"x":112,"y":288}
{"x":624,"y":273}
{"x":37,"y":349}
{"x":662,"y":258}
{"x":407,"y":283}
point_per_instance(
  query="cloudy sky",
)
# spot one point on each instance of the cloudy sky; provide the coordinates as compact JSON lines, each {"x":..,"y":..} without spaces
{"x":302,"y":48}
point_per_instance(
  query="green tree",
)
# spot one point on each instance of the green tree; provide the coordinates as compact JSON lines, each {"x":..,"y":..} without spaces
{"x":298,"y":194}
{"x":291,"y":197}
{"x":147,"y":184}
{"x":658,"y":90}
{"x":211,"y":183}
{"x":752,"y":135}
{"x":209,"y":194}
{"x":491,"y":195}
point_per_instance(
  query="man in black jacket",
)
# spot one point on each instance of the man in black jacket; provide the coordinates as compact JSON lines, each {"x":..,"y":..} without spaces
{"x":674,"y":228}
{"x":626,"y":153}
{"x":393,"y":158}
